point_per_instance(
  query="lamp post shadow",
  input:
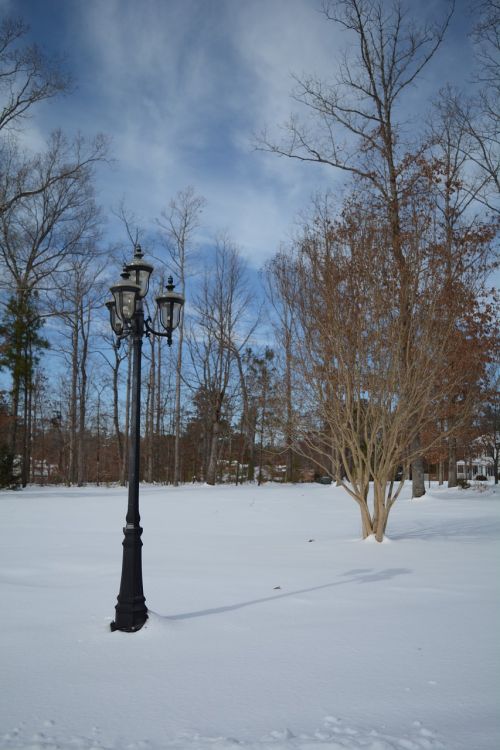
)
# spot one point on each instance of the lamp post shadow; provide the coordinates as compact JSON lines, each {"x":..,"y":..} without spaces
{"x":362,"y":577}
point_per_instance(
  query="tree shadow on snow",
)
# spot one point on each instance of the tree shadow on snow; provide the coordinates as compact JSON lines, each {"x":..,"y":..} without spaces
{"x":354,"y":576}
{"x":484,"y":528}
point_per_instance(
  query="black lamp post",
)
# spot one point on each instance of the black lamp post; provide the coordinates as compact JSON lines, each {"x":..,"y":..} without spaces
{"x":127,"y":320}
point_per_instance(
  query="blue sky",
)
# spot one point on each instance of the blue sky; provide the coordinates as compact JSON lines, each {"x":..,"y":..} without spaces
{"x":181,"y":86}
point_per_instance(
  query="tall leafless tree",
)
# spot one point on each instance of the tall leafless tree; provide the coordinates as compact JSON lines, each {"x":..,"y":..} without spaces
{"x":178,"y":225}
{"x":76,"y":301}
{"x":355,"y":126}
{"x":459,"y":194}
{"x":281,"y":287}
{"x":221,"y":327}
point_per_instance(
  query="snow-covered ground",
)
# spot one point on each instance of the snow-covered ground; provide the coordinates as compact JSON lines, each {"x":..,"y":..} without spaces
{"x":272,"y":625}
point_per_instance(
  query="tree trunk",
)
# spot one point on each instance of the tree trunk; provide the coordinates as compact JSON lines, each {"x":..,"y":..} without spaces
{"x":25,"y":466}
{"x":250,"y":438}
{"x":366,"y":520}
{"x":15,"y":415}
{"x":71,"y":478}
{"x":262,"y":424}
{"x":81,"y":463}
{"x":381,"y":509}
{"x":289,"y":477}
{"x":177,"y":439}
{"x":159,"y":413}
{"x":452,"y":462}
{"x":417,"y":471}
{"x":214,"y":445}
{"x":98,"y":442}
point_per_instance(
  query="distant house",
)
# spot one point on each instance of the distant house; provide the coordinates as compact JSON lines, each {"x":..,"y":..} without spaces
{"x":473,"y":467}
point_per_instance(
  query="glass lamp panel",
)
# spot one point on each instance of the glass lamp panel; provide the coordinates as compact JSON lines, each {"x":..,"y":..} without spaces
{"x":125,"y":294}
{"x":140,"y":271}
{"x":116,"y":324}
{"x":165,"y":314}
{"x":170,"y":306}
{"x":127,"y":305}
{"x":176,"y":313}
{"x":143,"y":280}
{"x":117,"y":301}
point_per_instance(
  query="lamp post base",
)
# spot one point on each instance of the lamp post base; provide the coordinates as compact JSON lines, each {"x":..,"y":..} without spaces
{"x":131,"y":610}
{"x":129,"y":624}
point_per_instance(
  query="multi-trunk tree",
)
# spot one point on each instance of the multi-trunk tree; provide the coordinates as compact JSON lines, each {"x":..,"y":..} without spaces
{"x":373,"y":384}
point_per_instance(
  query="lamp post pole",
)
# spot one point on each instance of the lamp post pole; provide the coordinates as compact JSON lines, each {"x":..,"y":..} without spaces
{"x":131,"y":610}
{"x":127,"y":320}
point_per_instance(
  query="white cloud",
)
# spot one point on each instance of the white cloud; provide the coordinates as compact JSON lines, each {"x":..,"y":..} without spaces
{"x":182,"y":86}
{"x":280,"y":39}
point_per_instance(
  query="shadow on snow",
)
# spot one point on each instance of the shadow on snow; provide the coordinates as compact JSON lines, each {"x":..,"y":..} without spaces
{"x":356,"y":576}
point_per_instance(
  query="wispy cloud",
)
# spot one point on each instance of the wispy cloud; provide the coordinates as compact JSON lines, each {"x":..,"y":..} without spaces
{"x":182,"y":87}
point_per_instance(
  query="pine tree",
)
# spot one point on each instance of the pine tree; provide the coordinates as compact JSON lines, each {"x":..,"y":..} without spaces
{"x":20,"y":348}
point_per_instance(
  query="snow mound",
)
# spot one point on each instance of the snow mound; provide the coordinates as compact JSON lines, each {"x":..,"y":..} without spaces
{"x":334,"y":735}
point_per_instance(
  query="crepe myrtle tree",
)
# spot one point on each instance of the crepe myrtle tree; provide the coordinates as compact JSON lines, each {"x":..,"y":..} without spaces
{"x":364,"y":394}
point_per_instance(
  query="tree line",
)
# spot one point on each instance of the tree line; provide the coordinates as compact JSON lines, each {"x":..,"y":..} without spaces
{"x":367,"y":349}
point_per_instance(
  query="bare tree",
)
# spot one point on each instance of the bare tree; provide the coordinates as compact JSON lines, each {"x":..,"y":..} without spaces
{"x":39,"y":233}
{"x":119,"y":354}
{"x":281,"y":288}
{"x":465,"y":235}
{"x":254,"y":372}
{"x":221,"y":327}
{"x":178,"y":225}
{"x":47,"y":208}
{"x":27,"y":77}
{"x":364,"y":393}
{"x":486,"y":38}
{"x":355,"y":126}
{"x":25,"y":178}
{"x":248,"y":414}
{"x":479,"y":113}
{"x":77,"y":299}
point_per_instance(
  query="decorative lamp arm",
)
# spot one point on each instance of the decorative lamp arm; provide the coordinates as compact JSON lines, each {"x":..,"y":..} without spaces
{"x":150,"y":330}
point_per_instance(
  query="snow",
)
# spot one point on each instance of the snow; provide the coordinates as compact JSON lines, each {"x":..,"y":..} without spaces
{"x":272,"y":626}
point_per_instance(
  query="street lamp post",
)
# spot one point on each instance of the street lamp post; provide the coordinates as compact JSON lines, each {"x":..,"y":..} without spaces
{"x":127,"y":321}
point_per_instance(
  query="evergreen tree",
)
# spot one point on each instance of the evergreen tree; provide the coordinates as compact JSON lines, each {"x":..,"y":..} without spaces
{"x":20,"y":348}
